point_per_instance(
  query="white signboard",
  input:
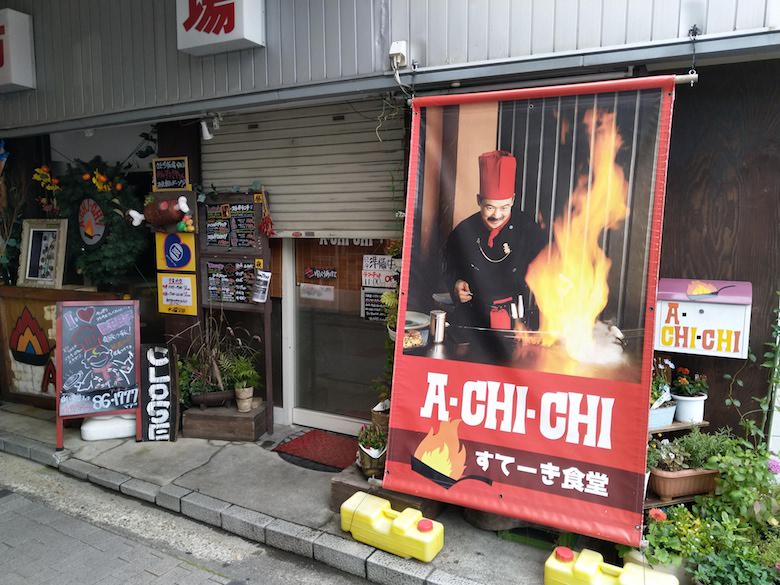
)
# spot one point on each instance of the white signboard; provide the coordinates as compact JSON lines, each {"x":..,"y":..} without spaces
{"x":204,"y":27}
{"x":381,"y":278}
{"x":714,"y":329}
{"x":17,"y":61}
{"x":317,"y":292}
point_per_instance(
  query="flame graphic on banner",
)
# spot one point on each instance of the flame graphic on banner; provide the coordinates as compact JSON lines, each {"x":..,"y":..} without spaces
{"x":28,"y":342}
{"x":698,"y":287}
{"x":569,"y":278}
{"x":442,"y":451}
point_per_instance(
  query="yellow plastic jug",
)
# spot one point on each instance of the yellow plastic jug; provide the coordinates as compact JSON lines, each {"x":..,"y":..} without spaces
{"x":407,"y":534}
{"x":566,"y":567}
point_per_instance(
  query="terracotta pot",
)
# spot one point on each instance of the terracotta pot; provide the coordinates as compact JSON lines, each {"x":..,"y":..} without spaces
{"x":212,"y":398}
{"x":668,"y":485}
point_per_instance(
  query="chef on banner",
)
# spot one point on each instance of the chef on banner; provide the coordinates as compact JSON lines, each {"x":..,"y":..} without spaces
{"x":487,"y":254}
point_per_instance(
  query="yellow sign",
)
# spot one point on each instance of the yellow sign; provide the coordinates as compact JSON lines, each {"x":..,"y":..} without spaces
{"x":177,"y":293}
{"x":175,"y":251}
{"x":259,"y":263}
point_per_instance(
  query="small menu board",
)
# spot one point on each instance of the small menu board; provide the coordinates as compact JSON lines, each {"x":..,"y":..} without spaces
{"x":170,"y":174}
{"x":97,"y":349}
{"x":371,"y":307}
{"x":231,"y":225}
{"x":229,"y":281}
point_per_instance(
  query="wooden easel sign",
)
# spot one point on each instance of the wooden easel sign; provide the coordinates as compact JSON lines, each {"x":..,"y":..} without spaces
{"x":97,"y":358}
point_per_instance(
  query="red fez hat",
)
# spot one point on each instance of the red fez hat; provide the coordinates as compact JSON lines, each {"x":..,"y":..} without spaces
{"x":497,"y":175}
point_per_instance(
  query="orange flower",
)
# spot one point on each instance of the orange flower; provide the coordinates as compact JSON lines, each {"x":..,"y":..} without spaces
{"x":45,"y":169}
{"x":118,"y":187}
{"x":657,"y":514}
{"x":86,"y":176}
{"x":55,"y":181}
{"x":684,"y":371}
{"x":102,"y":178}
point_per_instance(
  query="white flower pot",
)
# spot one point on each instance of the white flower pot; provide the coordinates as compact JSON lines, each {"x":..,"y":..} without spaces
{"x":690,"y":409}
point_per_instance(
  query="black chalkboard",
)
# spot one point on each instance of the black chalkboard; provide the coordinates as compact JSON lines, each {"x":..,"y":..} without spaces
{"x":97,"y":354}
{"x":371,"y":308}
{"x":229,"y":281}
{"x":231,"y":225}
{"x":170,"y":174}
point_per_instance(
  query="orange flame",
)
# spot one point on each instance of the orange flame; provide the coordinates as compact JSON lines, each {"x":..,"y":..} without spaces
{"x":88,"y":229}
{"x":443,"y":451}
{"x":569,"y":278}
{"x":697,"y":287}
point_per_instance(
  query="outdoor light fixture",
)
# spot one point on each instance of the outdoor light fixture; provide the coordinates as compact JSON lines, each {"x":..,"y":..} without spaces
{"x":204,"y":131}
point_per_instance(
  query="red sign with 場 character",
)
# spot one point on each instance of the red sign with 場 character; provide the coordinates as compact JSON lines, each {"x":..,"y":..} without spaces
{"x":534,"y":226}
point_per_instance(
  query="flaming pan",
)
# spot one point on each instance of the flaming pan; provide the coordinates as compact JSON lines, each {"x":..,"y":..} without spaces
{"x":444,"y":481}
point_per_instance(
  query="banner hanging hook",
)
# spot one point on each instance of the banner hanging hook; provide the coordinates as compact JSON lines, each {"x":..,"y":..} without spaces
{"x":693,"y":32}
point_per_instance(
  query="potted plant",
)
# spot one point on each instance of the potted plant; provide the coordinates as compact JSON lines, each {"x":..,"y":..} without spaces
{"x":240,"y":369}
{"x":690,"y":392}
{"x":662,"y":407}
{"x":383,"y":385}
{"x":372,"y":450}
{"x":683,"y":465}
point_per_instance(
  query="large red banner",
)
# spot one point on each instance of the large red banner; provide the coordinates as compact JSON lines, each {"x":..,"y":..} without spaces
{"x":532,"y":240}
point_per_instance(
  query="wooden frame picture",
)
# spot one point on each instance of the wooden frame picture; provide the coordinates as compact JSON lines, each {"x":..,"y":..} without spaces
{"x":42,"y":259}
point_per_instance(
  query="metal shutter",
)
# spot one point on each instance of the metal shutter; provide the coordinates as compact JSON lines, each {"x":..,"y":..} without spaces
{"x":326,"y":172}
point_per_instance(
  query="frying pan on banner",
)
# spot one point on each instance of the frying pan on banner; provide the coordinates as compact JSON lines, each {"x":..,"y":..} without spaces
{"x":416,"y":320}
{"x":708,"y":295}
{"x":439,"y":478}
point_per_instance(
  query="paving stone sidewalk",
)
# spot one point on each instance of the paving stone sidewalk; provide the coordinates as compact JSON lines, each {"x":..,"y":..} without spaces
{"x":39,"y":545}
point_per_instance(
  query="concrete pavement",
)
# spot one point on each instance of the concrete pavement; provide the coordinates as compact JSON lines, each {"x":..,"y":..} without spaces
{"x":245,"y":488}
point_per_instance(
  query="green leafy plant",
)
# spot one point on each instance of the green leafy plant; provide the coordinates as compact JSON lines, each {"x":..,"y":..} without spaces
{"x":673,"y":534}
{"x":383,"y":385}
{"x":653,"y":455}
{"x":700,"y":447}
{"x":240,"y":371}
{"x":372,"y":437}
{"x":115,"y":255}
{"x":729,"y":568}
{"x":389,"y":300}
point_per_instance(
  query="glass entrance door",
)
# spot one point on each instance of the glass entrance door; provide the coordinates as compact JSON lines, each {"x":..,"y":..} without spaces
{"x":339,"y":352}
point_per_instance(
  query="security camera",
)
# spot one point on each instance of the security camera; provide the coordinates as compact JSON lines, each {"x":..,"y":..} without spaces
{"x":398,"y":54}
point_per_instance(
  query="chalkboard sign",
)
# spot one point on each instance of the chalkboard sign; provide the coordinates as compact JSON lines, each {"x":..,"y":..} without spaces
{"x":159,"y":398}
{"x":371,"y":307}
{"x":97,"y":353}
{"x":232,"y":226}
{"x":170,"y":174}
{"x":229,"y":281}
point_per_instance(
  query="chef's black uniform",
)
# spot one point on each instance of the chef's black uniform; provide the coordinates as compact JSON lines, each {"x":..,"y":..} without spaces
{"x":496,"y":275}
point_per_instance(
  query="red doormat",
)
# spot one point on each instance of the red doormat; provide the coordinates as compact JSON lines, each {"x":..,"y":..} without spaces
{"x":329,"y":449}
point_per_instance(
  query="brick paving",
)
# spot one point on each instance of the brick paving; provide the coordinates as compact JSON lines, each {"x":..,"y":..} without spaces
{"x":40,"y":546}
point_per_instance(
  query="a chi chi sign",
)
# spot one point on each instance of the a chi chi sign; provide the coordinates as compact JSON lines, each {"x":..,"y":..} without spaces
{"x":204,"y":27}
{"x":703,"y":317}
{"x":17,"y":64}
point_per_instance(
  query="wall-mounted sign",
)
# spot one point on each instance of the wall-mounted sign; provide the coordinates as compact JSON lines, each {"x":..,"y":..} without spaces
{"x":317,"y":292}
{"x":204,"y":27}
{"x":177,"y":293}
{"x":703,"y":317}
{"x":92,"y":222}
{"x":17,"y":60}
{"x":175,"y":251}
{"x":170,"y":174}
{"x":320,"y":273}
{"x":230,"y":282}
{"x":159,"y":399}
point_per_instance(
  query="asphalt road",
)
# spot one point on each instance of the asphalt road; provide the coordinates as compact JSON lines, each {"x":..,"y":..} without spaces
{"x":57,"y":530}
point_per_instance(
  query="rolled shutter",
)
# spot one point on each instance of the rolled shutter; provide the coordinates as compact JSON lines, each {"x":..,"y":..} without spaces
{"x":326,"y":171}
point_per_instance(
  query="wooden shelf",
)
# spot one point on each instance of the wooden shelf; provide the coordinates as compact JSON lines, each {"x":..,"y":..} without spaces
{"x":653,"y":501}
{"x":678,"y":426}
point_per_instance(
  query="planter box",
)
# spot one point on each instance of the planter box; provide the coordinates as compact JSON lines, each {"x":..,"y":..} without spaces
{"x":661,"y":417}
{"x":668,"y":485}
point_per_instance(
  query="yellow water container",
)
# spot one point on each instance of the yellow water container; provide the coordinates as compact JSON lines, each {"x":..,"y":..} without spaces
{"x":566,"y":567}
{"x":407,"y":534}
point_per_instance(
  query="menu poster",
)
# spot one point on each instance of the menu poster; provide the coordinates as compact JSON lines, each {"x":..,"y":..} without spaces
{"x":97,"y":349}
{"x":371,"y":307}
{"x":176,"y":293}
{"x":170,"y":174}
{"x":242,"y":225}
{"x":230,"y":282}
{"x":231,"y":225}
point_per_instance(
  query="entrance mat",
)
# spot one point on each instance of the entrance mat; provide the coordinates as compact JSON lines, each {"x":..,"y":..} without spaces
{"x":328,"y":449}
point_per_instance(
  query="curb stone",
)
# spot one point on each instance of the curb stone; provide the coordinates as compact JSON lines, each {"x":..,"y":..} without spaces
{"x":439,"y":577}
{"x":78,"y":468}
{"x":204,"y":508}
{"x":347,"y":555}
{"x":108,"y":478}
{"x":246,"y":523}
{"x":138,"y":488}
{"x":389,"y":569}
{"x":291,"y":537}
{"x":169,"y":497}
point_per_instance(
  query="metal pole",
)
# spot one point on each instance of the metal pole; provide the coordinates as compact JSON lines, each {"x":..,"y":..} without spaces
{"x":689,"y":78}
